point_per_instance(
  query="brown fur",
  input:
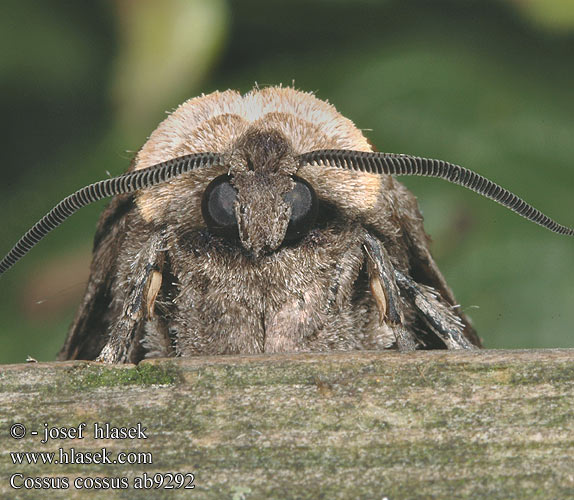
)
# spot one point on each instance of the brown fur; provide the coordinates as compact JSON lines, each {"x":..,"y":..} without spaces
{"x":259,"y":293}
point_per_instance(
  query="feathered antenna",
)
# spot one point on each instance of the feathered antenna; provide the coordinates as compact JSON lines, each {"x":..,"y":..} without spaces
{"x":126,"y":183}
{"x":398,"y":164}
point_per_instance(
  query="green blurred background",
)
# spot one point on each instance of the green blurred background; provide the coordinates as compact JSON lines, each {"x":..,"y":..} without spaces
{"x":487,"y":84}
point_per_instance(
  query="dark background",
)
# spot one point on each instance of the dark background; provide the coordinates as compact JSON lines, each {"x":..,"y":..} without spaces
{"x":486,"y":84}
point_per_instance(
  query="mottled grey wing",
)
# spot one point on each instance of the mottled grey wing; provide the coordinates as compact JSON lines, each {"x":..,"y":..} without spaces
{"x":90,"y":327}
{"x":424,"y":270}
{"x":400,"y":227}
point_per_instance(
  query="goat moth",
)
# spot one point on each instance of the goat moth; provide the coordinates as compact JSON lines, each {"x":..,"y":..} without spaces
{"x":258,"y":223}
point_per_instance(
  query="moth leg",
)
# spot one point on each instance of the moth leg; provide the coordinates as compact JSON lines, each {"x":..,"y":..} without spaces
{"x":386,"y":293}
{"x":138,"y":290}
{"x":158,"y":339}
{"x":438,"y":315}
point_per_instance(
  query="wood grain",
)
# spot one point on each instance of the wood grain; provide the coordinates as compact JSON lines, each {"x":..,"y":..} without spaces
{"x":487,"y":424}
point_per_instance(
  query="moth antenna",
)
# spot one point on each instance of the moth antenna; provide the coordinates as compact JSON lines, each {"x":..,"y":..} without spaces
{"x":399,"y":164}
{"x":123,"y":184}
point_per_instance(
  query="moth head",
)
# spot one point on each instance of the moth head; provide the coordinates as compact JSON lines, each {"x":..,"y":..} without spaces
{"x":260,"y":201}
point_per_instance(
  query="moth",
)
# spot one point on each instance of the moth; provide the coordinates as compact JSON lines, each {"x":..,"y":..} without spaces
{"x":263,"y":222}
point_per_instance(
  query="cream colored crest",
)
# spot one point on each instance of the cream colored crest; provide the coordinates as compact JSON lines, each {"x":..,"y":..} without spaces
{"x":214,"y":122}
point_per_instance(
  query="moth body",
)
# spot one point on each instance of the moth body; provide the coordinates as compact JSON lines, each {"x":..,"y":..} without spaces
{"x":259,"y":253}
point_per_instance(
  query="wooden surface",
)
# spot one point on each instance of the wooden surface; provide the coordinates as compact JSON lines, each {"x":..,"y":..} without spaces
{"x":488,"y":424}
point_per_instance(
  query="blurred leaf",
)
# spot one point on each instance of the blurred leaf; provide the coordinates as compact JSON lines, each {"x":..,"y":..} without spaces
{"x":165,"y":51}
{"x":552,"y":15}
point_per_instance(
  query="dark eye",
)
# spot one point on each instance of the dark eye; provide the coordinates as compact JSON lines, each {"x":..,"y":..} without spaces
{"x":218,"y":204}
{"x":303,"y":201}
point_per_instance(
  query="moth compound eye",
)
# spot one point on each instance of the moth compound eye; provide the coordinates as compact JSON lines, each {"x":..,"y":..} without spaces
{"x":303,"y":201}
{"x":218,"y":204}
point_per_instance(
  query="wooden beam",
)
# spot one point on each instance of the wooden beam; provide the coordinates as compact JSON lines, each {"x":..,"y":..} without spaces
{"x":487,"y":424}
